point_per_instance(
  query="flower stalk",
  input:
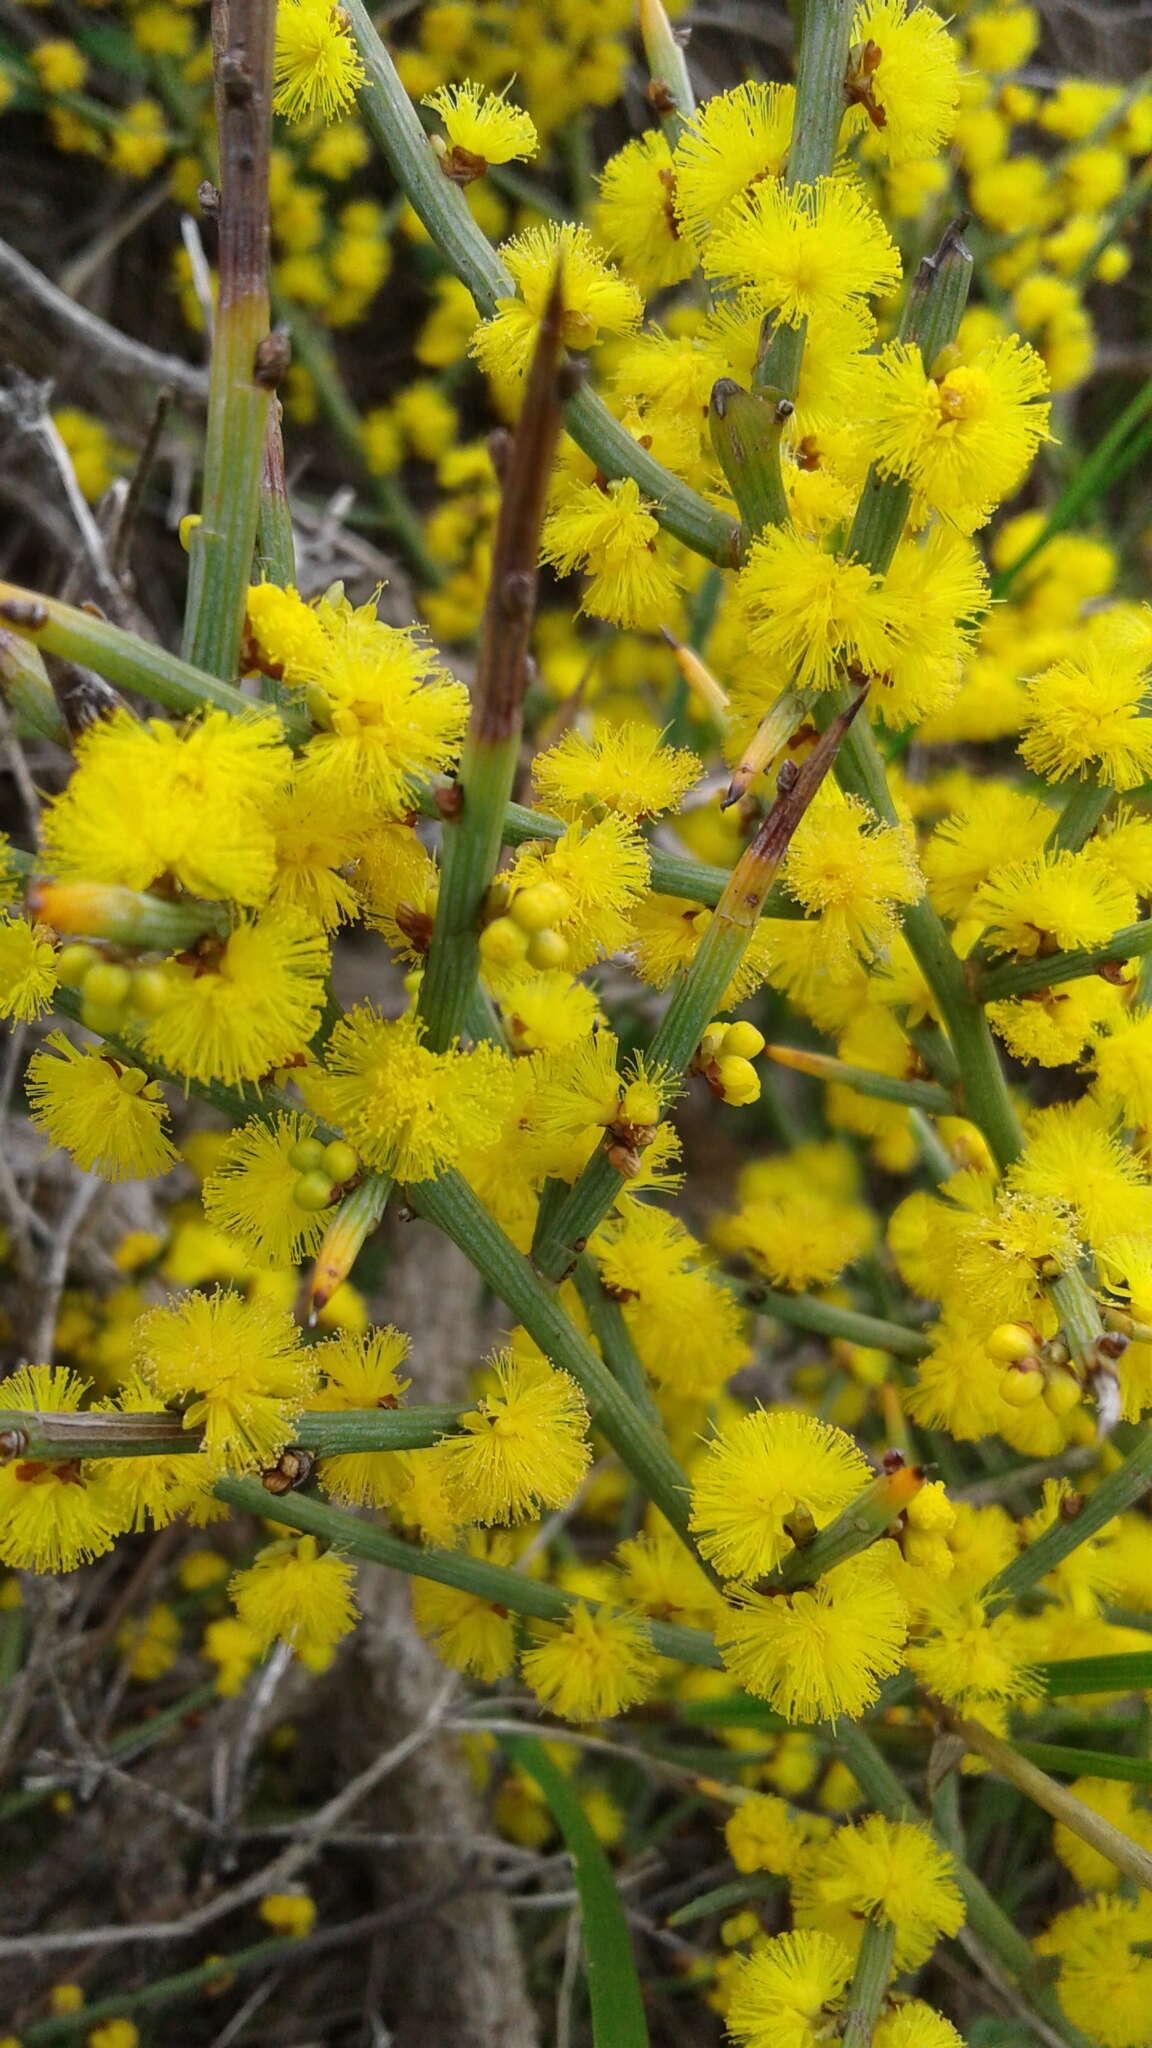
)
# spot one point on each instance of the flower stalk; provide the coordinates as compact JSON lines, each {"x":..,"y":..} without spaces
{"x":822,"y":1066}
{"x":842,"y":1325}
{"x":1050,"y":970}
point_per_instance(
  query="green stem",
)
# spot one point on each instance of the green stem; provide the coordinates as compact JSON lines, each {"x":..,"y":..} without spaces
{"x":27,"y":691}
{"x":607,"y":1324}
{"x":1117,"y":1492}
{"x":1126,"y":1855}
{"x":123,"y":659}
{"x":450,"y":1203}
{"x":869,"y":1982}
{"x":394,"y":124}
{"x":820,"y":73}
{"x":1051,"y":970}
{"x":457,"y":1568}
{"x":239,"y":391}
{"x":58,"y":1438}
{"x":1079,"y":818}
{"x":470,"y":856}
{"x":826,"y":1319}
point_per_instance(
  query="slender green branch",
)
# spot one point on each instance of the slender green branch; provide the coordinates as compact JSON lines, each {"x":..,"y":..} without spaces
{"x":827,"y":1319}
{"x":393,"y":122}
{"x":857,"y":1527}
{"x":27,"y":691}
{"x":1118,"y":1491}
{"x":1051,"y":970}
{"x":121,"y":658}
{"x":869,"y":1982}
{"x":820,"y":103}
{"x":607,"y":1324}
{"x":1079,"y":818}
{"x":58,"y":1438}
{"x":245,"y":358}
{"x":1120,"y":1850}
{"x":496,"y":1583}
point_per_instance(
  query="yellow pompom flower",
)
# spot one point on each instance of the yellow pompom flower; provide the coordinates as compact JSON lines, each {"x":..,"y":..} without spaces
{"x":903,"y":80}
{"x":602,"y":871}
{"x":1074,"y":1157}
{"x":283,"y":635}
{"x":909,"y":2023}
{"x":822,"y":1651}
{"x":312,"y":846}
{"x":408,"y":1111}
{"x":810,"y":614}
{"x":469,"y":1633}
{"x":1123,"y":1063}
{"x":523,"y":1447}
{"x":809,"y":253}
{"x":58,"y":64}
{"x":636,"y":215}
{"x":963,"y":436}
{"x":548,"y":1012}
{"x":361,"y":1372}
{"x":52,"y":1517}
{"x":234,"y":1649}
{"x":248,"y":1005}
{"x":760,"y":1471}
{"x":626,"y":768}
{"x":238,"y":1369}
{"x":250,"y":1194}
{"x":27,"y":969}
{"x":148,"y":803}
{"x":1057,"y":899}
{"x":1087,"y":715}
{"x":997,"y":824}
{"x":1105,"y":1982}
{"x":880,"y":1870}
{"x":483,"y":128}
{"x":597,"y":300}
{"x":390,"y":715}
{"x":110,"y":1117}
{"x":852,"y":873}
{"x":317,"y":67}
{"x":966,"y":1658}
{"x":783,"y":1991}
{"x":608,"y":531}
{"x":295,"y":1594}
{"x":591,"y":1666}
{"x":765,"y":1834}
{"x":292,"y":1914}
{"x":733,"y":141}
